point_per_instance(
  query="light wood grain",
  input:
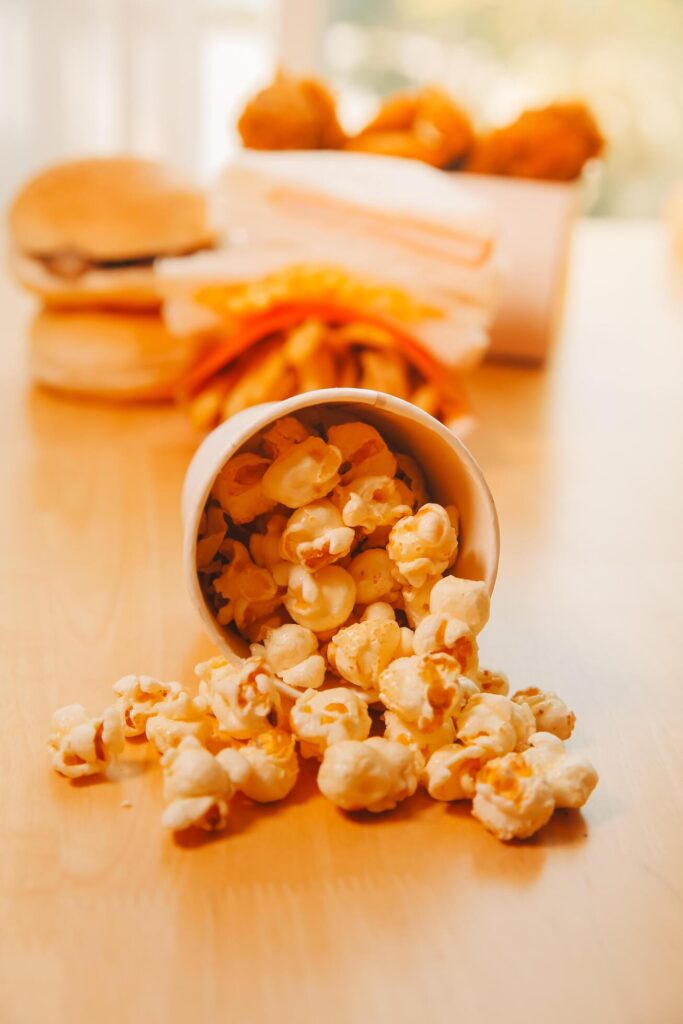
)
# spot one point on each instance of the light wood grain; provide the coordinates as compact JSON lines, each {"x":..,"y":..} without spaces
{"x":300,"y":913}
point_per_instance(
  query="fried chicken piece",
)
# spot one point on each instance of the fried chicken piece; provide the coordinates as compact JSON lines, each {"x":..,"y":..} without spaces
{"x":291,"y":113}
{"x":552,"y":142}
{"x":427,"y":126}
{"x":396,"y":114}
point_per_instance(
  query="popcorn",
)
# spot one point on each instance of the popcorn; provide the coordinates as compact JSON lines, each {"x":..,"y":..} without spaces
{"x":372,"y":573}
{"x":511,"y":800}
{"x":322,"y":600}
{"x":291,"y":652}
{"x":467,"y":600}
{"x":416,"y":601}
{"x":468,"y":687}
{"x":249,"y":590}
{"x":212,"y":531}
{"x":550,"y":712}
{"x":423,"y":689}
{"x":176,"y":718}
{"x":378,"y":611}
{"x":377,"y":538}
{"x":265,"y":769}
{"x":495,"y":723}
{"x":321,"y":718}
{"x":422,"y":545}
{"x":571,"y":777}
{"x":372,"y":775}
{"x":239,"y":487}
{"x":282,"y":435}
{"x":138,"y":697}
{"x":361,"y":652}
{"x":400,"y":731}
{"x":264,"y":548}
{"x":442,"y":633}
{"x":411,"y":474}
{"x":196,"y":787}
{"x":324,"y":533}
{"x":493,"y":682}
{"x":305,"y":472}
{"x":369,"y":502}
{"x":256,"y":630}
{"x":243,"y":698}
{"x":315,"y":536}
{"x":451,"y":771}
{"x":407,"y":642}
{"x":364,"y":451}
{"x":80,"y":745}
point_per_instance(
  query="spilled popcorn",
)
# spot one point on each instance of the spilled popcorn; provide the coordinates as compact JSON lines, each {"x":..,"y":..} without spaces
{"x":321,"y":548}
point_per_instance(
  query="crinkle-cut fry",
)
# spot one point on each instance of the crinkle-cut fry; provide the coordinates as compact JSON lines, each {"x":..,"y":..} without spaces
{"x":264,"y":368}
{"x":384,"y":371}
{"x":302,"y":342}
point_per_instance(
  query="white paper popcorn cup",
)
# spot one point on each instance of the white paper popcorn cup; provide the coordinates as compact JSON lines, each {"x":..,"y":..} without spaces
{"x":452,"y":474}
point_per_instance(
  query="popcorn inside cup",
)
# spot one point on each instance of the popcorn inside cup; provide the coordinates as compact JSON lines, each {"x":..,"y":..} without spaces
{"x":315,"y":519}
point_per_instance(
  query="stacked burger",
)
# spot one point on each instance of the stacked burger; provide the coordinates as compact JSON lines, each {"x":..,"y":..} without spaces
{"x":85,"y":237}
{"x":341,"y":269}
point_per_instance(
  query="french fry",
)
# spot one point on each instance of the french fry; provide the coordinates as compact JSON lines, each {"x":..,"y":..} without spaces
{"x":205,"y":407}
{"x":320,"y":372}
{"x":384,"y":371}
{"x":264,"y":369}
{"x":426,"y":397}
{"x":303,"y":342}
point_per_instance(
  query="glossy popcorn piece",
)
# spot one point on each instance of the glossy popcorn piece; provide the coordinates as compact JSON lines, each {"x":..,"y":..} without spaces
{"x":243,"y":698}
{"x":511,"y":800}
{"x":321,"y":718}
{"x":423,"y":689}
{"x":371,"y":775}
{"x":423,"y":545}
{"x":304,"y":473}
{"x":197,"y":788}
{"x":80,"y":745}
{"x":321,"y":600}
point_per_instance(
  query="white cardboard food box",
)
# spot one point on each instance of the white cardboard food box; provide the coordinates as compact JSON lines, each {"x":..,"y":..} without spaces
{"x":535,"y":221}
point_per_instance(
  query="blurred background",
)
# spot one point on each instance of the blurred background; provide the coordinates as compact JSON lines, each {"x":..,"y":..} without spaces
{"x":167,"y":78}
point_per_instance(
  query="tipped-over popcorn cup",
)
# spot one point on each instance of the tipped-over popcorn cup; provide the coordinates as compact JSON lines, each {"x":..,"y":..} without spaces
{"x":452,"y":475}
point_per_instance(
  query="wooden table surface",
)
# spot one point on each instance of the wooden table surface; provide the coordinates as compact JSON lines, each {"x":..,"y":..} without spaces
{"x":299,"y":913}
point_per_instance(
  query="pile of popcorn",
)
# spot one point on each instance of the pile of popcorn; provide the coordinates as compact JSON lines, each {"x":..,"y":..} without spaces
{"x":320,"y":547}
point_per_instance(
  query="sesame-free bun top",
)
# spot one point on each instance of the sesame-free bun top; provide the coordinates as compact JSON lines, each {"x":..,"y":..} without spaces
{"x":109,"y":208}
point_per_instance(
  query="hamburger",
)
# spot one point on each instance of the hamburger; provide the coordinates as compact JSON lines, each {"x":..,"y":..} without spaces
{"x":88,"y":232}
{"x":122,"y":356}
